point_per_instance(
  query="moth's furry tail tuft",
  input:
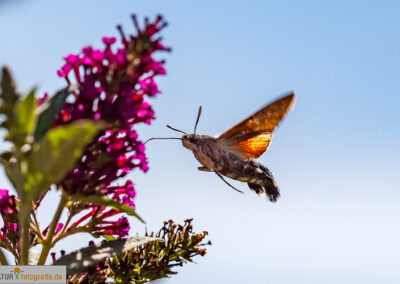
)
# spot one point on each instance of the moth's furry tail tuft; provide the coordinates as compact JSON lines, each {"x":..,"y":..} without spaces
{"x":268,"y":187}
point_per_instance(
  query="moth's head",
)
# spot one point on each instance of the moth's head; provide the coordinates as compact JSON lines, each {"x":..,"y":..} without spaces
{"x":190,"y":141}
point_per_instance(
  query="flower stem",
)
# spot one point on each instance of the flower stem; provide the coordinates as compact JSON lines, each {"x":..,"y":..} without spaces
{"x":3,"y":259}
{"x":35,"y":221}
{"x":65,"y":227}
{"x":69,"y":233}
{"x":48,"y":242}
{"x":24,"y":227}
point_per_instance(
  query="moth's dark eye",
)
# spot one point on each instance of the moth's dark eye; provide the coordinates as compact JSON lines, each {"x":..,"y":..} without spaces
{"x":192,"y":140}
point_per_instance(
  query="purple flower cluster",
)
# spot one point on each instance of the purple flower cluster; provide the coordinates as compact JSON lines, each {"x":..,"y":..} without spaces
{"x":8,"y":206}
{"x":113,"y":85}
{"x":9,"y":214}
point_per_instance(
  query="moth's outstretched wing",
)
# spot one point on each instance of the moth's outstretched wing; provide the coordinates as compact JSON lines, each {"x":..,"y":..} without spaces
{"x":252,"y":136}
{"x":253,"y":147}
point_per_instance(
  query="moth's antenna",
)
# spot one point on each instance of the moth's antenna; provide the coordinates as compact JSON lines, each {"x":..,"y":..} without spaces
{"x":170,"y":127}
{"x":160,"y":138}
{"x":197,"y":120}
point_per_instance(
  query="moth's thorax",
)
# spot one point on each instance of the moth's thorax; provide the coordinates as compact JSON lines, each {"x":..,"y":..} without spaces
{"x":211,"y":152}
{"x":203,"y":148}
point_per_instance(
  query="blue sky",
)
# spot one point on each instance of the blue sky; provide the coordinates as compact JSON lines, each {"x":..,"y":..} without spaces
{"x":335,"y":157}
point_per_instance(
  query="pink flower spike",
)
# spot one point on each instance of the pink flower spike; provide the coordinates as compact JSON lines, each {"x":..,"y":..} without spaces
{"x":87,"y":60}
{"x":98,"y":55}
{"x":58,"y":229}
{"x":8,"y":206}
{"x":122,"y":161}
{"x":109,"y":40}
{"x":61,"y":74}
{"x":72,"y":59}
{"x":113,"y":83}
{"x":144,"y":167}
{"x":149,"y":86}
{"x":65,"y":69}
{"x":119,"y":227}
{"x":158,"y":68}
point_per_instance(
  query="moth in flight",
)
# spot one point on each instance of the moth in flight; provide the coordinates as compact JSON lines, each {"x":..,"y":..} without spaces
{"x":233,"y":153}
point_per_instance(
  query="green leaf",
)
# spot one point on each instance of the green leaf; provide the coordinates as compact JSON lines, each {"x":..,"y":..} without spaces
{"x":26,"y":114}
{"x":13,"y":171}
{"x":109,"y":237}
{"x":49,"y":111}
{"x":56,"y":154}
{"x":21,"y":121}
{"x":9,"y":95}
{"x":85,"y":258}
{"x":105,"y":201}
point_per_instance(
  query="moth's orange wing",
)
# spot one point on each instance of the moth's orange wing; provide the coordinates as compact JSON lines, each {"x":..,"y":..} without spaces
{"x":263,"y":121}
{"x":252,"y":136}
{"x":253,"y":147}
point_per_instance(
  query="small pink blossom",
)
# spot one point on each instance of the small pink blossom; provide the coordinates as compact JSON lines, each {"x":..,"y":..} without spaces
{"x":119,"y":228}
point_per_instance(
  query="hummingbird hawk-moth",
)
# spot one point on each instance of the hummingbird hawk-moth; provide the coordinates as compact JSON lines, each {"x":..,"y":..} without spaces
{"x":233,"y":153}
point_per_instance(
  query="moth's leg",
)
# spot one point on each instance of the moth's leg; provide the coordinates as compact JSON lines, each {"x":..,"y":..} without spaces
{"x":204,"y":169}
{"x":221,"y":177}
